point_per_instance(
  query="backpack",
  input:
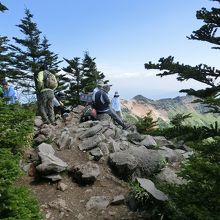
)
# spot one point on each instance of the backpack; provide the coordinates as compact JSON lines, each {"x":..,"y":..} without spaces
{"x":50,"y":80}
{"x":88,"y":113}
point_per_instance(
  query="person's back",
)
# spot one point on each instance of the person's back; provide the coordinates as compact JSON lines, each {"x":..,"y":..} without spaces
{"x":102,"y":101}
{"x":45,"y":97}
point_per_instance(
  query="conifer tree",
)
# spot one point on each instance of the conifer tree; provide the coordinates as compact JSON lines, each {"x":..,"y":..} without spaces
{"x":4,"y":52}
{"x":202,"y":72}
{"x":3,"y":7}
{"x":199,"y":198}
{"x":73,"y":77}
{"x":31,"y":53}
{"x":81,"y":76}
{"x":90,"y":72}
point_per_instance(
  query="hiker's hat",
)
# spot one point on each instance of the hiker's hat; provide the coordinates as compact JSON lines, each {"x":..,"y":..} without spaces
{"x":116,"y":94}
{"x":100,"y":83}
{"x":4,"y":82}
{"x":106,"y":87}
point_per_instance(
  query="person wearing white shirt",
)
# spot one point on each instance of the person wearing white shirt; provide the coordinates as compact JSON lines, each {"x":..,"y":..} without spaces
{"x":116,"y":105}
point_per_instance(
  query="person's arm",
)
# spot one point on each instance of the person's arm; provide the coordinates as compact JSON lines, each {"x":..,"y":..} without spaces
{"x":106,"y":98}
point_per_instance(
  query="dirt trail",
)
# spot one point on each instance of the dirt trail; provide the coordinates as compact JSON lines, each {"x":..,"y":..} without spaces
{"x":71,"y":203}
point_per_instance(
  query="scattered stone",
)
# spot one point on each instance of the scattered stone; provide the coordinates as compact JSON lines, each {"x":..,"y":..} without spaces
{"x":80,"y":216}
{"x":92,"y":142}
{"x":149,"y":186}
{"x":97,"y":202}
{"x":91,"y":132}
{"x":53,"y":177}
{"x":50,"y":164}
{"x":149,"y":142}
{"x":96,"y":153}
{"x":168,"y":175}
{"x":62,"y":186}
{"x":40,"y":139}
{"x":118,"y":200}
{"x":38,"y":121}
{"x":85,"y":173}
{"x":45,"y":148}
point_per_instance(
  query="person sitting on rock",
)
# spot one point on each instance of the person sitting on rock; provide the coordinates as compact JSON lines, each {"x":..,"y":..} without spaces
{"x":102,"y":105}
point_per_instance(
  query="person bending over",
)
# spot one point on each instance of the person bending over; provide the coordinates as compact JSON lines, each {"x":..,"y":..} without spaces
{"x":102,"y":105}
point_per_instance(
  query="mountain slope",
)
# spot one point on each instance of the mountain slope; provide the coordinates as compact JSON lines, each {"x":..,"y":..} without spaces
{"x":165,"y":109}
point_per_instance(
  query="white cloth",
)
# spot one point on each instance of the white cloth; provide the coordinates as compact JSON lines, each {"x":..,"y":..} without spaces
{"x":56,"y":103}
{"x":116,"y":104}
{"x":94,"y":92}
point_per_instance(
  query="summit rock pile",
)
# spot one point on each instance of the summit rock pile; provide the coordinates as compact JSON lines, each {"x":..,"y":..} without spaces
{"x":81,"y":170}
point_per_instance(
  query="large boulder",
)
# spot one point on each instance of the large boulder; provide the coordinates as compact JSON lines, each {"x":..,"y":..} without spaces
{"x":50,"y":164}
{"x":135,"y":162}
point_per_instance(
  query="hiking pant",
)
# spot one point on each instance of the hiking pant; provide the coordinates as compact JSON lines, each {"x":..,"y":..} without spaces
{"x":115,"y":117}
{"x":46,"y":106}
{"x":119,"y":114}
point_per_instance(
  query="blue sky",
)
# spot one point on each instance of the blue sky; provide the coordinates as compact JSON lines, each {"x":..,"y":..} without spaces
{"x":122,"y":35}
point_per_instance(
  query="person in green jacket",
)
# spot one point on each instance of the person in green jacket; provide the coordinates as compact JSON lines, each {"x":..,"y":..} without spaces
{"x":45,"y":97}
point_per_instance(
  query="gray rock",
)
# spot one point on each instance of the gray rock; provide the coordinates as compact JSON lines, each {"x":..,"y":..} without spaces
{"x":40,"y":139}
{"x":149,"y":142}
{"x":47,"y":131}
{"x":45,"y":148}
{"x":50,"y":164}
{"x":65,"y":141}
{"x":123,"y":164}
{"x":92,"y":142}
{"x":38,"y":121}
{"x":62,"y":186}
{"x":91,"y":131}
{"x":104,"y":148}
{"x":168,"y":175}
{"x":85,"y":173}
{"x":109,"y":133}
{"x":118,"y":200}
{"x":162,"y":141}
{"x":113,"y":146}
{"x":103,"y":117}
{"x":169,"y":154}
{"x":135,"y":162}
{"x":136,"y":137}
{"x":149,"y":186}
{"x":96,"y":153}
{"x":97,"y":202}
{"x":53,"y":177}
{"x":88,"y":124}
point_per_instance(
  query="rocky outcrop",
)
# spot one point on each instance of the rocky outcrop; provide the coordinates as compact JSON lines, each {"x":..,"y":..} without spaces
{"x":128,"y":153}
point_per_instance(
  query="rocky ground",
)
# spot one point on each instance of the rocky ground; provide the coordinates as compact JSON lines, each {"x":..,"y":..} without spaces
{"x":66,"y":199}
{"x":70,"y":168}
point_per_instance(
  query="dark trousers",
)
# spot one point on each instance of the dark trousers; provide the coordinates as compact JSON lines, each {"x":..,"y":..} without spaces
{"x":115,"y":117}
{"x":46,"y":106}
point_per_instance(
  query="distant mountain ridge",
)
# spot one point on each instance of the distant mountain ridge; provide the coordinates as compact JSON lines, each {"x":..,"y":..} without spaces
{"x":165,"y":109}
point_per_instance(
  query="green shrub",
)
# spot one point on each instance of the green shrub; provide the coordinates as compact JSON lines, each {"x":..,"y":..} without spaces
{"x":9,"y":168}
{"x":19,"y":205}
{"x":16,"y":127}
{"x":146,"y":124}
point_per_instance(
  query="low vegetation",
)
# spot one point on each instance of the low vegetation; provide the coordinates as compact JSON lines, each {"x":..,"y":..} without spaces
{"x":16,"y":128}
